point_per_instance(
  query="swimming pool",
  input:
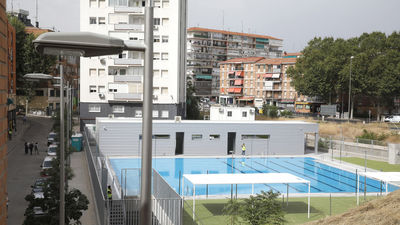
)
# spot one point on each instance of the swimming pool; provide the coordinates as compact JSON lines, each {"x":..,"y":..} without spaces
{"x":323,"y":178}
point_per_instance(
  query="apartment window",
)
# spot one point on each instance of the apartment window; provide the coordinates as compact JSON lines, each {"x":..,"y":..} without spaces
{"x":92,"y":3}
{"x":164,"y":39}
{"x":92,"y":72}
{"x":244,"y":114}
{"x":102,"y":20}
{"x":92,"y":20}
{"x":157,"y":4}
{"x":165,"y":3}
{"x":157,"y":21}
{"x":102,"y":72}
{"x":164,"y":114}
{"x":156,"y":91}
{"x":214,"y":136}
{"x":156,"y":73}
{"x":229,"y":113}
{"x":165,"y":21}
{"x":155,"y":113}
{"x":156,"y":39}
{"x":92,"y":89}
{"x":138,"y":113}
{"x":122,"y":72}
{"x":164,"y":74}
{"x":39,"y":93}
{"x":102,"y":89}
{"x":94,"y":108}
{"x":102,"y":3}
{"x":156,"y":56}
{"x":164,"y":91}
{"x":164,"y":56}
{"x":52,"y":93}
{"x":112,"y":88}
{"x":118,"y":109}
{"x":197,"y":136}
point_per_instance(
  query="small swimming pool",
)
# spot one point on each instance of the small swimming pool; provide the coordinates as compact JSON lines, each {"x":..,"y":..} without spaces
{"x":323,"y":178}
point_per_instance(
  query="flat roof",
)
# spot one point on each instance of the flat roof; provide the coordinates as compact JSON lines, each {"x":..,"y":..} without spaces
{"x":139,"y":120}
{"x":244,"y":178}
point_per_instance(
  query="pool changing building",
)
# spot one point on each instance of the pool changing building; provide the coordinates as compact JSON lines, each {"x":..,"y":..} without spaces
{"x":122,"y":137}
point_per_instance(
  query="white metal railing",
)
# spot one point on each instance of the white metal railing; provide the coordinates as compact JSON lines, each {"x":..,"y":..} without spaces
{"x":127,"y":9}
{"x":128,"y":96}
{"x":132,"y":27}
{"x":128,"y":78}
{"x":125,"y":61}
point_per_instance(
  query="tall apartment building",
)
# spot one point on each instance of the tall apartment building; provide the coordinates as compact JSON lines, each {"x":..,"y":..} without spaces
{"x":257,"y":81}
{"x":114,"y":84}
{"x":12,"y":77}
{"x":207,"y":47}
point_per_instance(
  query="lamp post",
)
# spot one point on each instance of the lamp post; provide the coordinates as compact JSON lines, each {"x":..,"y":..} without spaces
{"x":88,"y":44}
{"x":349,"y":105}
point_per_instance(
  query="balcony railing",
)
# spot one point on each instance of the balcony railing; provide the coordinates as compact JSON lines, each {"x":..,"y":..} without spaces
{"x":127,"y":9}
{"x":128,"y":96}
{"x":125,"y":61}
{"x":133,"y":27}
{"x":127,"y":78}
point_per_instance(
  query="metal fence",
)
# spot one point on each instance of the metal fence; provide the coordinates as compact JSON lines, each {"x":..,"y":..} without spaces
{"x":167,"y":205}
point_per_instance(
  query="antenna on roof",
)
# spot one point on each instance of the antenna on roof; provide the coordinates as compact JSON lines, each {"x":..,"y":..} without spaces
{"x":242,"y":26}
{"x":37,"y":22}
{"x":223,"y":20}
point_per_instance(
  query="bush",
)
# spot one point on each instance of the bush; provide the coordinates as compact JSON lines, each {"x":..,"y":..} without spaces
{"x":372,"y":136}
{"x":286,"y":113}
{"x":270,"y":111}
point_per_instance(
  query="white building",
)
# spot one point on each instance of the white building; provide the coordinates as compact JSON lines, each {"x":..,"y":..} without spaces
{"x":114,"y":84}
{"x":232,"y":113}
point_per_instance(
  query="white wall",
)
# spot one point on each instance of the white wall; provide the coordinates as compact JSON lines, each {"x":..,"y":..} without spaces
{"x":237,"y":113}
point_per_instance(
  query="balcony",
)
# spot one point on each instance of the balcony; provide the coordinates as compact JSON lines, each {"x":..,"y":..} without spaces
{"x":137,"y":62}
{"x":128,"y":78}
{"x":127,"y":9}
{"x":128,"y":96}
{"x":131,"y":27}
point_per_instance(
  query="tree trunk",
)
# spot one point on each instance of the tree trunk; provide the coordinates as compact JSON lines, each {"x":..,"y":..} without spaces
{"x":352,"y":107}
{"x":378,"y":112}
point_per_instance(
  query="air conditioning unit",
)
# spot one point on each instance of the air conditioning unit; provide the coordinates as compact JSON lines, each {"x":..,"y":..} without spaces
{"x":178,"y":119}
{"x":103,"y":61}
{"x":221,"y":110}
{"x":101,"y":95}
{"x":111,"y":116}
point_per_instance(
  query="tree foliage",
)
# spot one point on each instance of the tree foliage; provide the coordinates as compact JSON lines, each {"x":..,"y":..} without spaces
{"x":192,"y":102}
{"x":324,"y":68}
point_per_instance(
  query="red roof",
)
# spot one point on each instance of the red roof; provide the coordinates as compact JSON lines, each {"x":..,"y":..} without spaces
{"x":231,"y":89}
{"x":238,"y":90}
{"x":292,"y":54}
{"x":243,"y":60}
{"x":277,"y":61}
{"x":267,"y":75}
{"x":246,"y":98}
{"x":232,"y":33}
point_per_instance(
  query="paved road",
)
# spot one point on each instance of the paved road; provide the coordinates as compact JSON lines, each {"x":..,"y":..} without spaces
{"x":23,"y":169}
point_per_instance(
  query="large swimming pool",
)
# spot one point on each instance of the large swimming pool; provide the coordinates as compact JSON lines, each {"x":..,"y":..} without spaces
{"x":324,"y":178}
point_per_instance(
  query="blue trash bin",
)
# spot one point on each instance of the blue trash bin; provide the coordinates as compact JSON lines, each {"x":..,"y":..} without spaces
{"x":76,"y":142}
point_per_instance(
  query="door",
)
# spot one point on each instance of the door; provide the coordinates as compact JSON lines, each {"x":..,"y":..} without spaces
{"x":179,"y":143}
{"x":231,"y":142}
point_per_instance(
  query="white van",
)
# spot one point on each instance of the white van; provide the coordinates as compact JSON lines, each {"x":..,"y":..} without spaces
{"x":392,"y":119}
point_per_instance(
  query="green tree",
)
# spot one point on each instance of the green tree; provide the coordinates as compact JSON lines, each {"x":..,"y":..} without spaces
{"x":192,"y":102}
{"x":20,"y":48}
{"x":262,"y":209}
{"x":270,"y":111}
{"x":233,"y":210}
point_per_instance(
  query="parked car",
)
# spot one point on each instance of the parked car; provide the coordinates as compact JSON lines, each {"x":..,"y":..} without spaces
{"x":46,"y":165}
{"x":392,"y":119}
{"x":52,"y":150}
{"x":52,"y":138}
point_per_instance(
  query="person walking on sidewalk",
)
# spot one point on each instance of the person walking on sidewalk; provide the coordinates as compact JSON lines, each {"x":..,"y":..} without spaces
{"x":36,"y":148}
{"x":31,"y":147}
{"x":26,"y":147}
{"x":10,"y":134}
{"x":243,"y":149}
{"x":109,"y":195}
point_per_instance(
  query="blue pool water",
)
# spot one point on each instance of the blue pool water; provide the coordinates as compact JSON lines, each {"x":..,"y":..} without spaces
{"x":324,"y":178}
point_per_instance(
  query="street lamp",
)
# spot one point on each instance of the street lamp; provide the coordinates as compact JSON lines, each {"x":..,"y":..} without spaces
{"x":349,"y":105}
{"x":90,"y":44}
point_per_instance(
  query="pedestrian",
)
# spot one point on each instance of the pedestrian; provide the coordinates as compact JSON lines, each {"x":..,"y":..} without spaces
{"x":36,"y":148}
{"x":10,"y":134}
{"x":109,"y":195}
{"x":31,"y":147}
{"x":24,"y":119}
{"x":243,"y":149}
{"x":26,"y":147}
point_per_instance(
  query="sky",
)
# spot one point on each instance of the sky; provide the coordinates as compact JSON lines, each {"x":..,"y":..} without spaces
{"x":294,"y":21}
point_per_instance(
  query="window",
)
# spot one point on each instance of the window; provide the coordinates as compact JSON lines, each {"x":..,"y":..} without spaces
{"x":102,"y":89}
{"x":157,"y":4}
{"x":138,"y":113}
{"x":197,"y":136}
{"x":92,"y":89}
{"x":165,"y":3}
{"x":165,"y":21}
{"x":92,"y":3}
{"x":102,"y":3}
{"x":161,"y":136}
{"x":92,"y":20}
{"x":299,"y":106}
{"x":255,"y":136}
{"x":94,"y":108}
{"x":122,"y":72}
{"x":164,"y":39}
{"x":229,"y":113}
{"x":118,"y":109}
{"x":214,"y":136}
{"x":164,"y":74}
{"x":156,"y":73}
{"x":39,"y":93}
{"x":102,"y":20}
{"x":112,"y":88}
{"x":92,"y":72}
{"x":157,"y":21}
{"x":164,"y":56}
{"x":156,"y":56}
{"x":52,"y":94}
{"x":102,"y":72}
{"x":156,"y":38}
{"x":164,"y":114}
{"x":164,"y":91}
{"x":155,"y":113}
{"x":244,"y":114}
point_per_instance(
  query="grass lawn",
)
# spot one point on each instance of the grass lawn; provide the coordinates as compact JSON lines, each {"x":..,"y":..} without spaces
{"x":209,"y":212}
{"x":377,"y":165}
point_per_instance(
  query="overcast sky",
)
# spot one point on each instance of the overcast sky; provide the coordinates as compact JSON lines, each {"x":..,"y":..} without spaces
{"x":294,"y":21}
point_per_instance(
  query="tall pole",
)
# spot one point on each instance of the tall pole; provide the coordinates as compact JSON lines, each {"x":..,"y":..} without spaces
{"x":145,"y":188}
{"x":62,"y":163}
{"x":349,"y":105}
